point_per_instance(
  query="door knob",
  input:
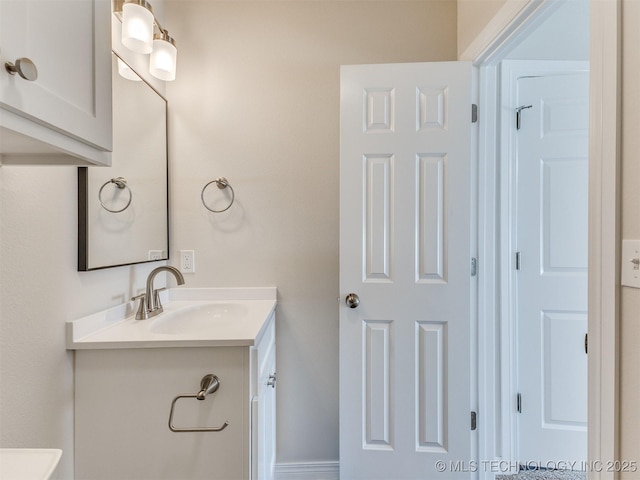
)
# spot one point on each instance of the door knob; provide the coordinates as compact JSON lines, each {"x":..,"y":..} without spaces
{"x":23,"y":67}
{"x":352,"y":300}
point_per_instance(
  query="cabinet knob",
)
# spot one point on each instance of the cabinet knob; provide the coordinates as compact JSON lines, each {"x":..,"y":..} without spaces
{"x":23,"y":67}
{"x":272,"y":380}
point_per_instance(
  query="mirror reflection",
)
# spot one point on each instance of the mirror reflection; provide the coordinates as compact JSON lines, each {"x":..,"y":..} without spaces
{"x":123,"y":209}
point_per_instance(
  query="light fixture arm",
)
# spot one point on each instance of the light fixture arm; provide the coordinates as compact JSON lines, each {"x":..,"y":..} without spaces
{"x":158,"y":26}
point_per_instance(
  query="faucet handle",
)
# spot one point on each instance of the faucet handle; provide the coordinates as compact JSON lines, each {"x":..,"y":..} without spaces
{"x":156,"y":299}
{"x":141,"y":314}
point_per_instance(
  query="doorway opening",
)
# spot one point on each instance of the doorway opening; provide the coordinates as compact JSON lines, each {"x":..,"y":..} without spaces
{"x":538,"y":373}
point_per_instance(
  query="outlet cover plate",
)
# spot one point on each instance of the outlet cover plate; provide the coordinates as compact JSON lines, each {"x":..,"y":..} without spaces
{"x":630,"y":271}
{"x":156,"y":255}
{"x":187,"y":261}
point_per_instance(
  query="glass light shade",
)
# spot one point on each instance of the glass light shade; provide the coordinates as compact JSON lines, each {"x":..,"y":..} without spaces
{"x":137,"y":26}
{"x":162,"y":62}
{"x":127,"y":72}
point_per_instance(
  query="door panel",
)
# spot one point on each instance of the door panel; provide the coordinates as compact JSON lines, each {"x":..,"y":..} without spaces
{"x":431,"y":219}
{"x":405,"y":247}
{"x":551,"y":286}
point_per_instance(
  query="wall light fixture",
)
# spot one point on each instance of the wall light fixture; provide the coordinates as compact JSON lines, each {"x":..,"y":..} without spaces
{"x":142,"y":33}
{"x":127,"y":72}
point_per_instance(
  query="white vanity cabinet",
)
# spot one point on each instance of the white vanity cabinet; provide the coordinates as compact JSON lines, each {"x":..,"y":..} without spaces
{"x":263,"y":412}
{"x":123,"y":400}
{"x":64,"y":115}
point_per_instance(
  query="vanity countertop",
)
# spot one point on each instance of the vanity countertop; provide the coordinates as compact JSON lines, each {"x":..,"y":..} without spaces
{"x":192,"y":317}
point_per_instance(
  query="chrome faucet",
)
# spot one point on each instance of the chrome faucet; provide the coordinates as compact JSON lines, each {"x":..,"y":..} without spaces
{"x":150,"y":305}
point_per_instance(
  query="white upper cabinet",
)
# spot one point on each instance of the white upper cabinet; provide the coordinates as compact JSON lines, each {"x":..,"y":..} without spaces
{"x":64,"y":115}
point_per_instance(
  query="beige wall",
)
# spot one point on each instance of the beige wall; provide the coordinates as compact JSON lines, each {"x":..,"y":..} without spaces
{"x":257,"y":101}
{"x":630,"y":297}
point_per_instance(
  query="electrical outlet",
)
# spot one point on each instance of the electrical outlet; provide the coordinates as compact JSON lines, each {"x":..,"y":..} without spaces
{"x":156,"y":255}
{"x":187,"y":261}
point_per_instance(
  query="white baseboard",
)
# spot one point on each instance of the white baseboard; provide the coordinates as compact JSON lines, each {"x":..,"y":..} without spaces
{"x":308,"y":471}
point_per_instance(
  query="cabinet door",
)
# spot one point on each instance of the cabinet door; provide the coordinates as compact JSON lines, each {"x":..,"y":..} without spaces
{"x":69,"y":41}
{"x":267,"y":419}
{"x":122,"y":403}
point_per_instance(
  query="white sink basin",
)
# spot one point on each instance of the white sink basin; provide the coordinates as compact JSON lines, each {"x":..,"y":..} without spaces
{"x":28,"y":463}
{"x":199,"y":317}
{"x":208,"y":317}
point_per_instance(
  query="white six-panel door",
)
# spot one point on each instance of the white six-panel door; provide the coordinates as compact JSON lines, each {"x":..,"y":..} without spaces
{"x":551,"y":283}
{"x":405,"y":251}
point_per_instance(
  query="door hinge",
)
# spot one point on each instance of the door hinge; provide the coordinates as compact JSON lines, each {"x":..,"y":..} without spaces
{"x":474,"y":267}
{"x":474,"y":422}
{"x":519,"y":115}
{"x":518,"y":260}
{"x":474,"y":113}
{"x":519,"y":403}
{"x":586,"y":343}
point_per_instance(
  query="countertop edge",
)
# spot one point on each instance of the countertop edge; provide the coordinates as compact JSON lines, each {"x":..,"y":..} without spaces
{"x":79,"y":331}
{"x":247,"y":342}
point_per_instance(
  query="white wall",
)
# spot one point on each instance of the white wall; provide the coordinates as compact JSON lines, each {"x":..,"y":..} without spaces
{"x":552,"y":40}
{"x":257,"y":100}
{"x":630,"y":297}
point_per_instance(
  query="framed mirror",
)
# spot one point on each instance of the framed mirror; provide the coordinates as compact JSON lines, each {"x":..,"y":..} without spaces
{"x":123,"y":214}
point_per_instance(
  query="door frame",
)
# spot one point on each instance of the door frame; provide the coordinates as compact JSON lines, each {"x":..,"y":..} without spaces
{"x":510,"y":72}
{"x":513,"y":22}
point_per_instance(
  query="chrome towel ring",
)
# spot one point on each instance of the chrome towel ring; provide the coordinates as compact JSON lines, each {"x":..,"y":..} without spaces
{"x":120,"y":182}
{"x":222,"y":183}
